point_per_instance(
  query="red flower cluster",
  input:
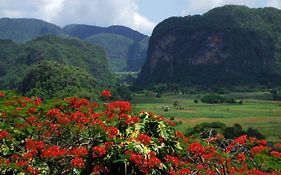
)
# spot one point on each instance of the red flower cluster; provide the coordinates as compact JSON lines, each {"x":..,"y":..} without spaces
{"x":77,"y":102}
{"x":112,"y":131}
{"x":79,"y":151}
{"x":179,"y":134}
{"x":59,"y":143}
{"x":122,"y":106}
{"x":3,"y":134}
{"x":54,"y":151}
{"x":34,"y":145}
{"x":99,"y":151}
{"x":106,"y":93}
{"x":276,"y":154}
{"x":196,"y":148}
{"x":241,"y":157}
{"x":241,"y":140}
{"x":31,"y":110}
{"x":172,"y":159}
{"x":2,"y":94}
{"x":258,"y":149}
{"x":78,"y":162}
{"x":144,"y":139}
{"x":183,"y":171}
{"x":132,"y":120}
{"x":145,"y":163}
{"x":32,"y":170}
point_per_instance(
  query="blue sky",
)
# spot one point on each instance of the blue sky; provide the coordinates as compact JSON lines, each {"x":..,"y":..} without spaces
{"x":141,"y":15}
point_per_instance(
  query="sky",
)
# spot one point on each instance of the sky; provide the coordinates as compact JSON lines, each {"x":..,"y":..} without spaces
{"x":141,"y":15}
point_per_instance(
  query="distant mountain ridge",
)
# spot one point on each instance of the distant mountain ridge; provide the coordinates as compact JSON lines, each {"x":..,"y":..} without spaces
{"x":132,"y":56}
{"x":24,"y":29}
{"x":229,"y":45}
{"x":83,"y":31}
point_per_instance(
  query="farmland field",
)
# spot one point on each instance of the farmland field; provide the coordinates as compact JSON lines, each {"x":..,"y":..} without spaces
{"x":257,"y":111}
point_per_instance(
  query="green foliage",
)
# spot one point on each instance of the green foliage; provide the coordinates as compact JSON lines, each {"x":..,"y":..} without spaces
{"x":214,"y":98}
{"x":122,"y":92}
{"x":49,"y":80}
{"x":205,"y":130}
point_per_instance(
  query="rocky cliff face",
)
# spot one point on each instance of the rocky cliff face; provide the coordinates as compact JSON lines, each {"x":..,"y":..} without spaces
{"x":231,"y":45}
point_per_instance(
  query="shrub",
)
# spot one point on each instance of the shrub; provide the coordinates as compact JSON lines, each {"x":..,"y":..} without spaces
{"x":212,"y":98}
{"x":76,"y":136}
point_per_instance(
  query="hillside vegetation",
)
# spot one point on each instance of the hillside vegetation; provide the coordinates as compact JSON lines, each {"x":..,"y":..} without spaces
{"x":18,"y":59}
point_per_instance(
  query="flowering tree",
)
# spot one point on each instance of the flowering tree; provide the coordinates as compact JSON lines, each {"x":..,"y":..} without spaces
{"x":76,"y":136}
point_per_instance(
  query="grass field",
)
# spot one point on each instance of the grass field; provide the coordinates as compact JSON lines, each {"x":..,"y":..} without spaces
{"x":257,"y":111}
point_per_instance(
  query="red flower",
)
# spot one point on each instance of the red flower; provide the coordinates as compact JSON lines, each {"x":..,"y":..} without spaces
{"x":32,"y":170}
{"x":241,"y":158}
{"x":37,"y":101}
{"x":262,"y":142}
{"x":136,"y":158}
{"x":53,"y":112}
{"x":99,"y":151}
{"x":34,"y":145}
{"x":173,"y":160}
{"x":78,"y":162}
{"x":112,"y":132}
{"x":3,"y":134}
{"x":106,"y":93}
{"x":54,"y":151}
{"x":2,"y":94}
{"x":184,"y":171}
{"x":122,"y":106}
{"x":277,"y":145}
{"x":196,"y":148}
{"x":32,"y":120}
{"x":179,"y":134}
{"x":31,"y":110}
{"x":276,"y":154}
{"x":144,"y":139}
{"x":79,"y":151}
{"x":21,"y":163}
{"x":257,"y":149}
{"x":132,"y":120}
{"x":241,"y":140}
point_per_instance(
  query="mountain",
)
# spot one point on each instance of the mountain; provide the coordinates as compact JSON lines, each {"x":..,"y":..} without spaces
{"x":126,"y":48}
{"x":229,"y":45}
{"x":83,"y":31}
{"x":23,"y":29}
{"x":116,"y":47}
{"x":18,"y":59}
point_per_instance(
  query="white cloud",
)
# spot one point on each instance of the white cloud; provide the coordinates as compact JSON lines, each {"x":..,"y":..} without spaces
{"x":93,"y":12}
{"x":274,"y":3}
{"x":202,"y":6}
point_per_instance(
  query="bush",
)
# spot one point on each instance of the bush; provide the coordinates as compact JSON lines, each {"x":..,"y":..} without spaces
{"x":212,"y":98}
{"x":76,"y":136}
{"x":158,"y":95}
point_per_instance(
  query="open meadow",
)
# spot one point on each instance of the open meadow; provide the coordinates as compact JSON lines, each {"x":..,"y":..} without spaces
{"x":257,"y":111}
